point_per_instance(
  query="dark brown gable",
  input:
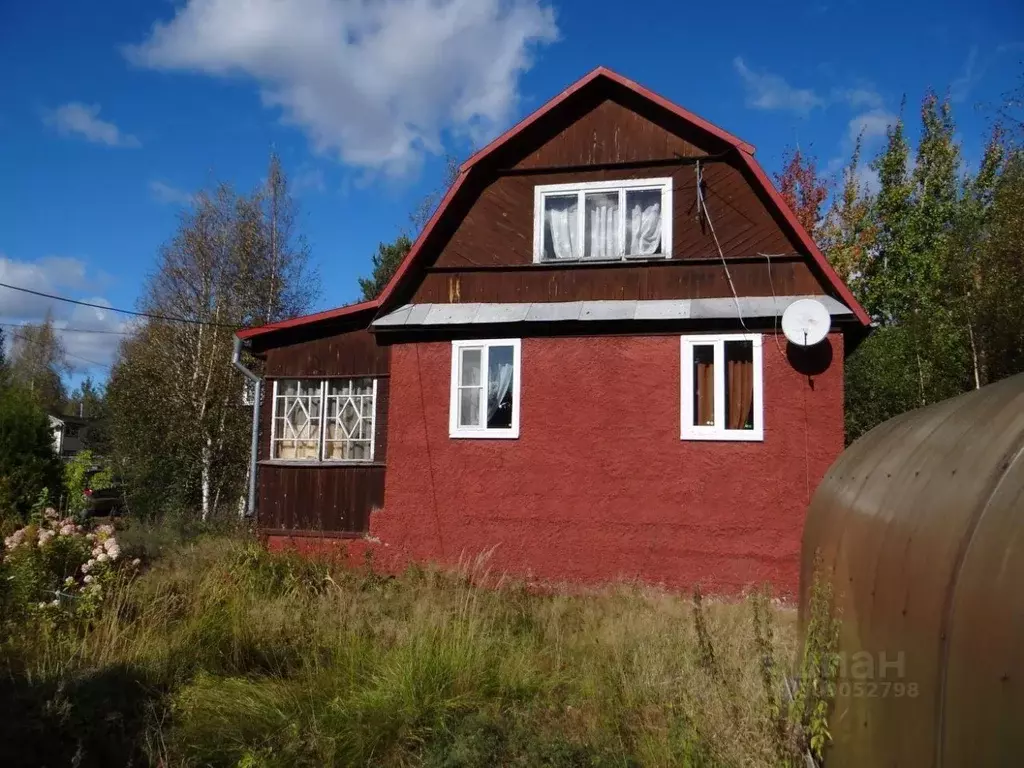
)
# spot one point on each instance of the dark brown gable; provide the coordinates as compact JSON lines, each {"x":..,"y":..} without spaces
{"x":488,"y":256}
{"x":610,"y":132}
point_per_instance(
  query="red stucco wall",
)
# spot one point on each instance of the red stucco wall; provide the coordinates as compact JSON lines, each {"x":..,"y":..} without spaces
{"x":599,"y":486}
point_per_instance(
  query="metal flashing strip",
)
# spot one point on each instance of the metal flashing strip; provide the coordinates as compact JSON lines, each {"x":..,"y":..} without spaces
{"x":749,"y":307}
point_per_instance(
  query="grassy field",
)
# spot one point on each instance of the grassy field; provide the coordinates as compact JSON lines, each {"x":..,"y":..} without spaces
{"x":221,"y":654}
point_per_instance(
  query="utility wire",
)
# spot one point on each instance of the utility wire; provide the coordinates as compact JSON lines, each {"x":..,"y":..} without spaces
{"x":168,"y":318}
{"x":71,"y":330}
{"x":69,"y":354}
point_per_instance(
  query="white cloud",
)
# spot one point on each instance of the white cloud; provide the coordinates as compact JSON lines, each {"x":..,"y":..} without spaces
{"x":964,"y":83}
{"x":377,"y":84}
{"x":168,"y":194}
{"x":61,"y":276}
{"x":770,"y":91}
{"x":871,"y":125}
{"x":859,"y":97}
{"x":75,"y":118}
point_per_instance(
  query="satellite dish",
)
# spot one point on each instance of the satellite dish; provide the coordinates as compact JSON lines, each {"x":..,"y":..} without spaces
{"x":806,"y":322}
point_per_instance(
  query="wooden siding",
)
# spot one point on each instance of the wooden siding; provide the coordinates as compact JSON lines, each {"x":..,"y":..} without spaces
{"x":498,"y":229}
{"x":326,"y":496}
{"x":319,"y":498}
{"x":351,"y":353}
{"x":659,"y":280}
{"x":610,"y":132}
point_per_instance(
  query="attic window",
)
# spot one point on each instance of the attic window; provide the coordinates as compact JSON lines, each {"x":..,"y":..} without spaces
{"x":603,"y":220}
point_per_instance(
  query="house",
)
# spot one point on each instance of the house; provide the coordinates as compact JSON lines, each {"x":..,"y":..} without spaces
{"x":69,"y":433}
{"x":579,"y":367}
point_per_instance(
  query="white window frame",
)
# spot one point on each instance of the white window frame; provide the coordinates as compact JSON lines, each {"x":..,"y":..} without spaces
{"x":718,"y":431}
{"x":483,"y":431}
{"x":321,"y":439}
{"x":543,"y":191}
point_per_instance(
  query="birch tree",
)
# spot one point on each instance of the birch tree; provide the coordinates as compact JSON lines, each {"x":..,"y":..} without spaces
{"x":175,"y":399}
{"x":39,"y":363}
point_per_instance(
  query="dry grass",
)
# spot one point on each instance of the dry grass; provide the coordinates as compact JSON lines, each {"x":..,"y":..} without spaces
{"x":222,"y":654}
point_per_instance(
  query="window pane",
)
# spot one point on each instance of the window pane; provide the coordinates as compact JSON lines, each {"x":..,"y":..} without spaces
{"x":499,"y":387}
{"x":350,"y":407}
{"x":703,"y":385}
{"x":470,"y":364}
{"x":561,"y":227}
{"x":469,"y":406}
{"x":739,"y":385}
{"x":643,"y":222}
{"x":602,"y":226}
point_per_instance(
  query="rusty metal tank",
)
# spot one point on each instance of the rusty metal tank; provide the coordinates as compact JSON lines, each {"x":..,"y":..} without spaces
{"x":920,"y":526}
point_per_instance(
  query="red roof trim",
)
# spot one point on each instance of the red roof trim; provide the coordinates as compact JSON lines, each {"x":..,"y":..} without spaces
{"x":351,"y":309}
{"x":745,"y":152}
{"x":806,"y":240}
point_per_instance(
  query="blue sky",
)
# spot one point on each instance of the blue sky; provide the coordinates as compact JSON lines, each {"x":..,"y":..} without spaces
{"x":112,"y":114}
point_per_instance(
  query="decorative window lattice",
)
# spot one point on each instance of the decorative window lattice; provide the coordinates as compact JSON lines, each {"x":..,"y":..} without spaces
{"x":297,"y":409}
{"x":348,"y":434}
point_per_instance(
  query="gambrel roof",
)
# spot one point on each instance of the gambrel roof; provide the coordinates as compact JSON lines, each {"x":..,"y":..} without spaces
{"x":597,"y":79}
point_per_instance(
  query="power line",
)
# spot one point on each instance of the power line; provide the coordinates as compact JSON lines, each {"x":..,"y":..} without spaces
{"x":69,"y":354}
{"x":71,"y":330}
{"x":168,"y":318}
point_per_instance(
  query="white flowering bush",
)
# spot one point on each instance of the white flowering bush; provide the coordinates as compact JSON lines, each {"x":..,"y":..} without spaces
{"x":56,"y":569}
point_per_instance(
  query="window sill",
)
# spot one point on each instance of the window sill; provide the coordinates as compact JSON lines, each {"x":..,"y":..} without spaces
{"x":317,"y":463}
{"x":731,"y":436}
{"x":485,"y":434}
{"x":616,"y":260}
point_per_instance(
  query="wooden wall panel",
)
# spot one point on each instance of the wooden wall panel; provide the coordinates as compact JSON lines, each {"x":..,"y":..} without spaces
{"x":319,"y":498}
{"x":325,"y":496}
{"x":609,"y":132}
{"x":670,"y":280}
{"x":498,"y":228}
{"x":348,"y":353}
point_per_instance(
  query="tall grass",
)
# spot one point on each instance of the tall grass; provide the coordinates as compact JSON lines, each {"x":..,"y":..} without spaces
{"x":223,"y":654}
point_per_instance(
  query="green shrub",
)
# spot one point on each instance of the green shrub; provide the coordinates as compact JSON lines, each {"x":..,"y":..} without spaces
{"x":28,"y":463}
{"x":77,"y":479}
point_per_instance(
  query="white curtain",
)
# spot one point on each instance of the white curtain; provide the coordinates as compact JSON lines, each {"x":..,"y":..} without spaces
{"x":561,"y":214}
{"x":644,"y":229}
{"x":603,"y":226}
{"x":498,"y":387}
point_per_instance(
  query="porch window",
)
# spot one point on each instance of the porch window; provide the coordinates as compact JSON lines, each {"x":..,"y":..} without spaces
{"x":722,"y":396}
{"x":485,"y":389}
{"x":318,"y":420}
{"x":603,"y":220}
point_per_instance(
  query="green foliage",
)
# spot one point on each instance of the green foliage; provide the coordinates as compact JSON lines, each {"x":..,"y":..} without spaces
{"x":385,"y":263}
{"x":929,"y":258}
{"x":224,"y":654}
{"x":77,"y":478}
{"x":28,"y":464}
{"x":178,"y":432}
{"x":54,"y":574}
{"x":819,"y":667}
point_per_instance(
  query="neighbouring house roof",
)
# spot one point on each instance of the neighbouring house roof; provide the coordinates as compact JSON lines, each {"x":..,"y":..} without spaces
{"x":594,"y":79}
{"x":746,"y":307}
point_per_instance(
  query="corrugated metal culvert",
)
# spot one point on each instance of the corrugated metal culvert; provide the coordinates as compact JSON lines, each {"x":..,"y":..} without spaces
{"x":920,"y":525}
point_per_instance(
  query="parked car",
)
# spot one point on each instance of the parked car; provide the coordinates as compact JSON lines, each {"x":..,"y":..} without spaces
{"x":103,"y":501}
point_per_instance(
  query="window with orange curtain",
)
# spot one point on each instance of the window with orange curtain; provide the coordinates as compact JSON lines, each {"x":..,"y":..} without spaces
{"x":722,"y":387}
